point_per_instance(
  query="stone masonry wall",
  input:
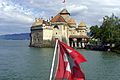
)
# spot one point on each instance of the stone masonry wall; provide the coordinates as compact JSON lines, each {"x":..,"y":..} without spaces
{"x":36,"y":38}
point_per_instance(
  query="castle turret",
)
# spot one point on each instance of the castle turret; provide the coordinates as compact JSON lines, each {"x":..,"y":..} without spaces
{"x":82,"y":26}
{"x":72,"y":23}
{"x":82,"y":29}
{"x":36,"y":36}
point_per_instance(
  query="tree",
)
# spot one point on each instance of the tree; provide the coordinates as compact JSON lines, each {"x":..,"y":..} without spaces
{"x":95,"y":31}
{"x":109,"y":31}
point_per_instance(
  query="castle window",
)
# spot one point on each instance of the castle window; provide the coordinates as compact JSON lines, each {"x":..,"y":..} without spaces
{"x":56,"y":26}
{"x":56,"y":33}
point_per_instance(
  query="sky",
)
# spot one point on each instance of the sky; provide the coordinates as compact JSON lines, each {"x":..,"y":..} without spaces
{"x":17,"y":16}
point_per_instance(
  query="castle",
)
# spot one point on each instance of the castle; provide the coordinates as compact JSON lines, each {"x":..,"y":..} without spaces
{"x":62,"y":26}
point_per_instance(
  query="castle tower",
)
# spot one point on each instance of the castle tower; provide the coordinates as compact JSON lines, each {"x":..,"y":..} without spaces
{"x":82,"y":31}
{"x":82,"y":28}
{"x":65,"y":14}
{"x":60,"y":21}
{"x":36,"y":36}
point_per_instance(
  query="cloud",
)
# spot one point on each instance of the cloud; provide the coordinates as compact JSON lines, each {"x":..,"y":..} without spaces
{"x":18,"y":15}
{"x":14,"y":16}
{"x":76,"y":10}
{"x":15,"y":13}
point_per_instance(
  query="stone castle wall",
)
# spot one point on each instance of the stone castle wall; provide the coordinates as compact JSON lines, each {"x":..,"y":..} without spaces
{"x":36,"y":38}
{"x":41,"y":38}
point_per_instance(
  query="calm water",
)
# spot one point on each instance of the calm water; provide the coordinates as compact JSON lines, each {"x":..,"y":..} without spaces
{"x":20,"y":62}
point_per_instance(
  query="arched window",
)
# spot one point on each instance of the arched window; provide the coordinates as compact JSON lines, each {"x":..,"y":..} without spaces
{"x":56,"y":26}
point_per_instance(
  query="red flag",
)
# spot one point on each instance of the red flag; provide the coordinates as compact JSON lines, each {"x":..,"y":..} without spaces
{"x":68,"y":63}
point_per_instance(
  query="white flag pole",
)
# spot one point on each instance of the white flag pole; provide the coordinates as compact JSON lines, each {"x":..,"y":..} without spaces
{"x":51,"y":72}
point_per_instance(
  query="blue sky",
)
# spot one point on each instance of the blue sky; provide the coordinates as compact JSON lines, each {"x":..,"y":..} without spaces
{"x":16,"y":16}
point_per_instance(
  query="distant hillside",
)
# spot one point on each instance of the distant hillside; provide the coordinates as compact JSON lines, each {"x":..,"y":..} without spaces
{"x":22,"y":36}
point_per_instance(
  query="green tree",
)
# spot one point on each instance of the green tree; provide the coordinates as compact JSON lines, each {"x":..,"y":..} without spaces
{"x":109,"y":31}
{"x":95,"y":31}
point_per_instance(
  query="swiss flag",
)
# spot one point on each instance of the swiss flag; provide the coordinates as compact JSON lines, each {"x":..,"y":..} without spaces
{"x":68,"y":63}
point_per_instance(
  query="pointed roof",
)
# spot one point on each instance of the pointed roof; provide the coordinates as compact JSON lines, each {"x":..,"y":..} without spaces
{"x":82,"y":24}
{"x":72,"y":21}
{"x":64,"y":11}
{"x":57,"y":18}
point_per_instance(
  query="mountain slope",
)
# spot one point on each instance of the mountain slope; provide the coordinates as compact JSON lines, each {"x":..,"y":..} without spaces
{"x":22,"y":36}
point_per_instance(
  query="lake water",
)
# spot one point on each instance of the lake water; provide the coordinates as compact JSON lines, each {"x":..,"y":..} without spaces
{"x":20,"y":62}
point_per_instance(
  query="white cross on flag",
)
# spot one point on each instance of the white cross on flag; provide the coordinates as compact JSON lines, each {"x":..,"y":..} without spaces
{"x":68,"y":63}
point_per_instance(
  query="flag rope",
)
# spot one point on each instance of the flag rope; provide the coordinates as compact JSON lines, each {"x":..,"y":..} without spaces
{"x":51,"y":71}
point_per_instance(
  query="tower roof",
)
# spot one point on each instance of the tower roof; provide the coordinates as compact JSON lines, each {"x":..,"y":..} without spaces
{"x":82,"y":24}
{"x":72,"y":21}
{"x":64,"y":11}
{"x":57,"y":18}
